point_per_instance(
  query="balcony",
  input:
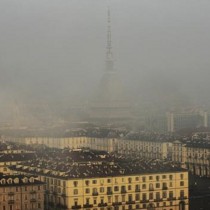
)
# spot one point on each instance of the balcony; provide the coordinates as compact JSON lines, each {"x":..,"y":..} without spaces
{"x":11,"y":201}
{"x":116,"y":203}
{"x":158,"y":200}
{"x":95,"y":194}
{"x":151,"y":189}
{"x":87,"y":205}
{"x":109,"y":192}
{"x":182,"y":197}
{"x":76,"y":207}
{"x":137,"y":190}
{"x":32,"y":192}
{"x":102,"y":204}
{"x":171,"y":198}
{"x":33,"y":200}
{"x":144,"y":201}
{"x":130,"y":202}
{"x":123,"y":191}
{"x":165,"y":188}
{"x":11,"y":193}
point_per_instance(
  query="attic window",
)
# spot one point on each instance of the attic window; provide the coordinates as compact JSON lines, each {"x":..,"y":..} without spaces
{"x":31,"y":179}
{"x":3,"y":181}
{"x":25,"y":180}
{"x":16,"y":180}
{"x":9,"y":181}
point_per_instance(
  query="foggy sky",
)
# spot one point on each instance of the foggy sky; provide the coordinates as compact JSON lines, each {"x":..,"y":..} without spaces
{"x":54,"y":50}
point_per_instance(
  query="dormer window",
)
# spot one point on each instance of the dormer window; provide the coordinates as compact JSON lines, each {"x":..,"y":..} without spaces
{"x":9,"y":181}
{"x":31,"y":179}
{"x":16,"y":180}
{"x":25,"y":180}
{"x":3,"y":181}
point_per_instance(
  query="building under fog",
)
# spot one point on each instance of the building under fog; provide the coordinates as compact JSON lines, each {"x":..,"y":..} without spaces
{"x":176,"y":121}
{"x":110,"y":102}
{"x":93,"y":180}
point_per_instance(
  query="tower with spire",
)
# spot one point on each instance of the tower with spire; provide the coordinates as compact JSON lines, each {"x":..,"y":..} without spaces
{"x":109,"y":104}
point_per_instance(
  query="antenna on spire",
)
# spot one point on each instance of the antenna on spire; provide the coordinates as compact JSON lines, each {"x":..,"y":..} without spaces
{"x":109,"y":56}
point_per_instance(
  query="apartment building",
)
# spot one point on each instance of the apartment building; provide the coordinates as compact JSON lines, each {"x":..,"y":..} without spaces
{"x":86,"y":179}
{"x":20,"y":192}
{"x":194,"y":155}
{"x":147,"y":146}
{"x":10,"y":155}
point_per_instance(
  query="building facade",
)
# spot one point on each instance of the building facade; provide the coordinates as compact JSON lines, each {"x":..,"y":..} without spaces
{"x":98,"y":181}
{"x":18,"y":192}
{"x":194,"y":155}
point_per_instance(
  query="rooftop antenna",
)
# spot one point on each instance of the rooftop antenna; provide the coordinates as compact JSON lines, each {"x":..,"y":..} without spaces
{"x":109,"y":55}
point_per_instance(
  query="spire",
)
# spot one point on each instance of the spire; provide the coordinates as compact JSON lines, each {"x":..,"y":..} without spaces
{"x":109,"y":55}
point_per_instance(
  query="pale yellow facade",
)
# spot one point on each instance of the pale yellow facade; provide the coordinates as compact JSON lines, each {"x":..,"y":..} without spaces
{"x":147,"y":149}
{"x":160,"y":191}
{"x":21,"y":196}
{"x":195,"y":158}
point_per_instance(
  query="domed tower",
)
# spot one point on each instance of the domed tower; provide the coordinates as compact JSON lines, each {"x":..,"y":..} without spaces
{"x":110,"y":103}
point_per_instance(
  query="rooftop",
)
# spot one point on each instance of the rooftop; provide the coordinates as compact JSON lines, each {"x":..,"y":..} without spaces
{"x":69,"y":164}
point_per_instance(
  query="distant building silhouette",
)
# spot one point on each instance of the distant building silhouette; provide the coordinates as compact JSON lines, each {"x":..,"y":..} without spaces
{"x":110,"y":102}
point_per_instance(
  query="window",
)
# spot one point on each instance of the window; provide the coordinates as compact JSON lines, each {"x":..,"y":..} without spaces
{"x":94,"y":181}
{"x":75,"y":191}
{"x":157,"y":195}
{"x":144,"y":196}
{"x":150,"y":177}
{"x":144,"y":186}
{"x":130,"y":197}
{"x":157,"y":185}
{"x":181,"y":176}
{"x":164,"y":186}
{"x":182,"y":183}
{"x":87,"y":200}
{"x":143,"y":179}
{"x":75,"y":183}
{"x":137,"y":187}
{"x":181,"y":193}
{"x":87,"y":190}
{"x":75,"y":202}
{"x":170,"y":194}
{"x":94,"y":190}
{"x":129,"y":187}
{"x":87,"y":182}
{"x":171,"y":177}
{"x":164,"y":194}
{"x":137,"y":197}
{"x":108,"y":180}
{"x":150,"y":196}
{"x":137,"y":178}
{"x":109,"y":189}
{"x":102,"y":200}
{"x":151,"y":186}
{"x":116,"y":188}
{"x":164,"y":176}
{"x":101,"y":189}
{"x":129,"y":180}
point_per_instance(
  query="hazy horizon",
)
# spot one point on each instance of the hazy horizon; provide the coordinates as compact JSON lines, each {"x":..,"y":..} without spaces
{"x":53,"y":52}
